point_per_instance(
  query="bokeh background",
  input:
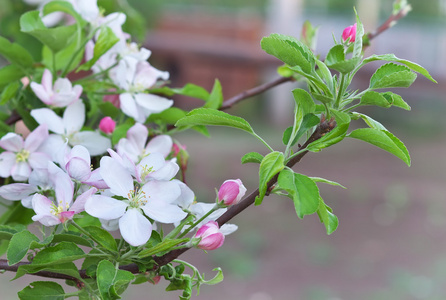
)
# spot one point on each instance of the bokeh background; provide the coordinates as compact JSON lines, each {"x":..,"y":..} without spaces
{"x":391,"y":239}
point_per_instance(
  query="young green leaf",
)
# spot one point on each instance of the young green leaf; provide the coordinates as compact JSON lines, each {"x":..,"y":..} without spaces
{"x":384,"y":140}
{"x":252,"y":157}
{"x":9,"y":92}
{"x":323,"y":180}
{"x":374,"y":98}
{"x":208,"y":116}
{"x":289,"y":50}
{"x":19,"y":245}
{"x":168,"y":116}
{"x":161,"y":247}
{"x":271,"y":164}
{"x":10,"y":73}
{"x":302,"y":190}
{"x":327,"y":217}
{"x":357,"y":45}
{"x":15,"y":53}
{"x":47,"y":290}
{"x":396,"y":100}
{"x":391,"y":57}
{"x":215,"y":99}
{"x":392,"y":75}
{"x":304,"y":100}
{"x":110,"y":279}
{"x":370,"y":121}
{"x":329,"y":139}
{"x":103,"y":237}
{"x":191,"y":90}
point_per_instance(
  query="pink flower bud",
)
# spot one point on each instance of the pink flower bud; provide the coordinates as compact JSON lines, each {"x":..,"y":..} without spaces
{"x":349,"y":32}
{"x":231,"y":192}
{"x":210,"y":236}
{"x":107,"y":125}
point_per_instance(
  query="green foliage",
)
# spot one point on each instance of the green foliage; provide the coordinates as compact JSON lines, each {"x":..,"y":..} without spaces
{"x":42,"y":290}
{"x":327,"y":217}
{"x":252,"y":157}
{"x":391,"y":75}
{"x":271,"y":165}
{"x":112,"y":281}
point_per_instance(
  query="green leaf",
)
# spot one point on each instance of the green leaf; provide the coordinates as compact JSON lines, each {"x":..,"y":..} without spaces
{"x":165,"y":245}
{"x":271,"y":164}
{"x":217,"y":278}
{"x":215,"y":99}
{"x":60,"y":253}
{"x":391,"y":57}
{"x":192,"y":90}
{"x":329,"y":139}
{"x":103,"y":237}
{"x":396,"y":100}
{"x":9,"y":92}
{"x":10,"y":73}
{"x":302,"y":190}
{"x":289,"y":50}
{"x":323,"y":98}
{"x":323,"y":180}
{"x":65,"y":7}
{"x":107,"y":276}
{"x":374,"y":98}
{"x":19,"y":246}
{"x":7,"y":232}
{"x":47,"y":290}
{"x":17,"y":214}
{"x":108,"y":109}
{"x":56,"y":38}
{"x":72,"y":237}
{"x":392,"y":75}
{"x":252,"y":157}
{"x":336,"y":60}
{"x":357,"y":45}
{"x":304,"y":100}
{"x":308,"y":122}
{"x":327,"y":217}
{"x":105,"y":41}
{"x":207,"y":116}
{"x":370,"y":121}
{"x":325,"y":73}
{"x":168,"y":116}
{"x":121,"y":131}
{"x":384,"y":140}
{"x":15,"y":53}
{"x":67,"y":268}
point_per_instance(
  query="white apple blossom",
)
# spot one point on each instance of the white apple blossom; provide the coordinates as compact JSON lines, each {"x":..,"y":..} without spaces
{"x":61,"y":94}
{"x":135,"y":147}
{"x":154,"y":200}
{"x":51,"y":212}
{"x":21,"y":156}
{"x":69,"y":128}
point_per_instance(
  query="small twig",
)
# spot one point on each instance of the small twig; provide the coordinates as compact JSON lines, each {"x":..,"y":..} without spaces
{"x":390,"y":22}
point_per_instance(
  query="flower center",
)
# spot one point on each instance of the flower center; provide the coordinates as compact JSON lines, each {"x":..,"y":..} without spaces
{"x":146,"y":171}
{"x":22,"y":155}
{"x":56,"y":210}
{"x":137,"y":198}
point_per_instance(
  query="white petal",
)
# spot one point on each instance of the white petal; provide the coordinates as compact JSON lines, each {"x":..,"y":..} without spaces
{"x":62,"y":183}
{"x":104,"y":207}
{"x":153,"y":103}
{"x":116,"y":177}
{"x":78,"y":169}
{"x":81,"y":152}
{"x":135,"y":228}
{"x":129,"y":107}
{"x":41,"y":93}
{"x":50,"y":118}
{"x":79,"y":204}
{"x":11,"y":142}
{"x":54,"y":146}
{"x":161,"y":143}
{"x":166,"y":172}
{"x":137,"y":135}
{"x":163,"y":212}
{"x":42,"y":205}
{"x":74,"y":117}
{"x":94,"y":142}
{"x":39,"y":177}
{"x":36,"y":138}
{"x":228,"y":228}
{"x":187,"y":196}
{"x":161,"y":191}
{"x":38,"y":160}
{"x":20,"y":171}
{"x":7,"y":161}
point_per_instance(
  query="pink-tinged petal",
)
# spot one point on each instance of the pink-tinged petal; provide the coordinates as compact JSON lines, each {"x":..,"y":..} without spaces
{"x":212,"y":241}
{"x":96,"y":180}
{"x":77,"y":90}
{"x":81,"y":152}
{"x":135,"y":228}
{"x":95,"y":143}
{"x":46,"y":220}
{"x":145,"y":75}
{"x":129,"y":107}
{"x":41,"y":93}
{"x":74,"y":117}
{"x":116,"y":177}
{"x":50,"y":118}
{"x":12,"y":142}
{"x":36,"y":138}
{"x":79,"y":204}
{"x":89,"y":50}
{"x":64,"y":187}
{"x":104,"y":207}
{"x":38,"y":160}
{"x":42,"y":205}
{"x":163,"y":212}
{"x":78,"y":169}
{"x":20,"y":171}
{"x":228,"y":228}
{"x":161,"y":143}
{"x":153,"y":103}
{"x":166,"y":172}
{"x":161,"y":191}
{"x":40,"y":177}
{"x":27,"y":202}
{"x":17,"y":191}
{"x":7,"y":161}
{"x":47,"y":80}
{"x":65,"y":216}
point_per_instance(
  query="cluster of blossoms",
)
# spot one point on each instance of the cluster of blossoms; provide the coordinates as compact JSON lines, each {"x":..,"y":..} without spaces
{"x":134,"y":186}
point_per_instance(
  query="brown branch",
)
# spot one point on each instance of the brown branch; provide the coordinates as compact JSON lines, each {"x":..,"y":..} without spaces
{"x":254,"y":91}
{"x":390,"y":22}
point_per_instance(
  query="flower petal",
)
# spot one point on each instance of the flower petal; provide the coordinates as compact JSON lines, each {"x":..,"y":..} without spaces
{"x":50,"y":118}
{"x":104,"y":207}
{"x":129,"y":107}
{"x":7,"y":161}
{"x":17,"y":191}
{"x":38,"y":160}
{"x":74,"y":117}
{"x":79,"y":204}
{"x":152,"y":103}
{"x":94,"y":142}
{"x":161,"y":191}
{"x":78,"y":169}
{"x":62,"y":184}
{"x":161,"y":143}
{"x":135,"y":228}
{"x":20,"y":171}
{"x":36,"y":138}
{"x":12,"y":142}
{"x":116,"y":177}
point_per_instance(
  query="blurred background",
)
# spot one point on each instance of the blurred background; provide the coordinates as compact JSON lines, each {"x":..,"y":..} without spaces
{"x":391,"y":239}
